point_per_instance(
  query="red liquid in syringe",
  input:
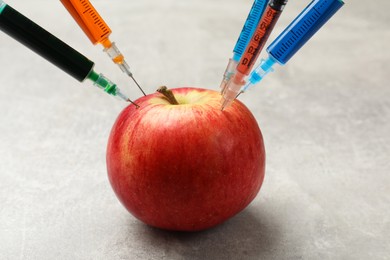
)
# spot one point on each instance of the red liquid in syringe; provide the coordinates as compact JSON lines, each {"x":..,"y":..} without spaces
{"x":256,"y":44}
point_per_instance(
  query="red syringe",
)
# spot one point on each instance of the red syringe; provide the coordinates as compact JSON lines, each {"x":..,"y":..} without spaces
{"x":253,"y":50}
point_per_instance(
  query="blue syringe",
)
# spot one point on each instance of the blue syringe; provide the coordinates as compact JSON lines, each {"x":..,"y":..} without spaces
{"x":304,"y":26}
{"x":247,"y":31}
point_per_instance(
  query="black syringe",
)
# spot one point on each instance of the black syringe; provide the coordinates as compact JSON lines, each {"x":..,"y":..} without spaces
{"x":53,"y":49}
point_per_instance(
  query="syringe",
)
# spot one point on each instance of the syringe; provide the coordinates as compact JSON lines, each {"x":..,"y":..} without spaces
{"x":304,"y":26}
{"x":97,"y":31}
{"x":252,"y":51}
{"x":53,"y":49}
{"x":247,"y":31}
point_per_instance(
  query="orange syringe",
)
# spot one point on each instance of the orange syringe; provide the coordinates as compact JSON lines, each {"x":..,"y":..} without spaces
{"x":97,"y":31}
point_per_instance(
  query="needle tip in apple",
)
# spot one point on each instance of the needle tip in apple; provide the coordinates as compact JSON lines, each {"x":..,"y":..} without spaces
{"x":135,"y":104}
{"x":225,"y":103}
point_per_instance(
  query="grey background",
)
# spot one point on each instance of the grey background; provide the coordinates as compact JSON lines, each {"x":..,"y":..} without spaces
{"x":324,"y":116}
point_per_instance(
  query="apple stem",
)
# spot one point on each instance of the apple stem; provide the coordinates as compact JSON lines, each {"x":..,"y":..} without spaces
{"x":168,"y":95}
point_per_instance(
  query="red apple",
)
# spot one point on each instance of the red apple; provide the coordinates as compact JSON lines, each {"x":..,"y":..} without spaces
{"x":188,"y":166}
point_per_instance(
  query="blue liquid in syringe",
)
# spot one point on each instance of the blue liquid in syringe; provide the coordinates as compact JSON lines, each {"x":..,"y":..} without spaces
{"x":288,"y":43}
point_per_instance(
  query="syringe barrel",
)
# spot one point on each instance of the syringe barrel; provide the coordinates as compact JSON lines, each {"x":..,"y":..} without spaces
{"x":44,"y":43}
{"x":249,"y":28}
{"x":260,"y":36}
{"x":307,"y":23}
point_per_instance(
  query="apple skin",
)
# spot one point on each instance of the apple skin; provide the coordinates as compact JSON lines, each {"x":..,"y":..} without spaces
{"x":185,"y":167}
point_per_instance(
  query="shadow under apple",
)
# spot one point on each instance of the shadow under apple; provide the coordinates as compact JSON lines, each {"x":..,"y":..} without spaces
{"x":246,"y":236}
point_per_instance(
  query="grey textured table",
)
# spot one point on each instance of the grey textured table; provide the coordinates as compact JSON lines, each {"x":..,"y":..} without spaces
{"x":325,"y":118}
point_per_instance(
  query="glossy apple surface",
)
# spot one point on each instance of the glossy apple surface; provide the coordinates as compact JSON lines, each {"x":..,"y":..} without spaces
{"x":189,"y":166}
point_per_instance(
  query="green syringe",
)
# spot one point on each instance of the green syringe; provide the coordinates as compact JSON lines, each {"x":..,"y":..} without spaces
{"x":54,"y":50}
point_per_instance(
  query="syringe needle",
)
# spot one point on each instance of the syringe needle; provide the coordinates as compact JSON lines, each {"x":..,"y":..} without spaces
{"x":97,"y":31}
{"x":225,"y":103}
{"x":108,"y":86}
{"x":135,"y":104}
{"x":117,"y":57}
{"x":124,"y":66}
{"x":138,"y":85}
